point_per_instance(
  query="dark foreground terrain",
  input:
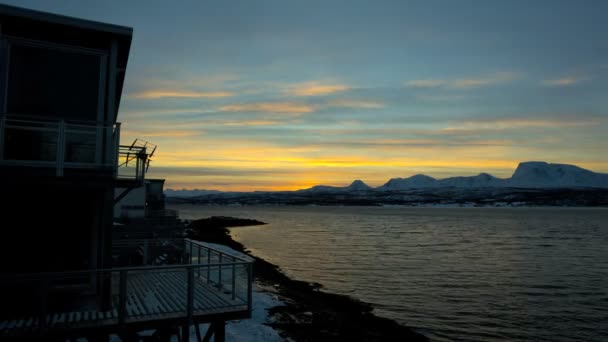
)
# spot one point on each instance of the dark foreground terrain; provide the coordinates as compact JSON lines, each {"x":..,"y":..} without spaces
{"x":309,"y":314}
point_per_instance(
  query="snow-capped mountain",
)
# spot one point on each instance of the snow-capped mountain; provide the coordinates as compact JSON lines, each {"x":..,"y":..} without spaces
{"x":356,"y":185}
{"x":537,"y":174}
{"x":413,"y":182}
{"x":527,"y":175}
{"x":482,"y":180}
{"x":532,"y":174}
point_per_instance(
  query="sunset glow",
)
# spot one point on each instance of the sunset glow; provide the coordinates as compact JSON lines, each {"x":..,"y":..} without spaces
{"x":280,"y":96}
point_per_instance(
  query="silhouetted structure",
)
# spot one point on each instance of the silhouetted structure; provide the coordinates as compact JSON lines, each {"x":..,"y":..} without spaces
{"x":61,"y":80}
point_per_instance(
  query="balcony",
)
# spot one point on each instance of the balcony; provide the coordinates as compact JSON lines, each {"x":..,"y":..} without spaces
{"x":166,"y":281}
{"x":62,"y":145}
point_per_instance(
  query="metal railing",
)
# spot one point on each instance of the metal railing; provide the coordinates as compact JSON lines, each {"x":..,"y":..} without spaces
{"x":59,"y":144}
{"x":205,"y":281}
{"x":132,"y":162}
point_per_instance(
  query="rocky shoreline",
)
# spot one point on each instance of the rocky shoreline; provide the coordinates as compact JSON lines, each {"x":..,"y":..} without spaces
{"x":309,"y":314}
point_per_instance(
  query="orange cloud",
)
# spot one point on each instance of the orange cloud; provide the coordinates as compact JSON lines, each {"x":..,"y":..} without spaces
{"x":501,"y":77}
{"x":473,"y":82}
{"x":159,"y":94}
{"x":316,"y":89}
{"x":356,"y":104}
{"x":269,"y":107}
{"x":248,"y":123}
{"x":565,"y":81}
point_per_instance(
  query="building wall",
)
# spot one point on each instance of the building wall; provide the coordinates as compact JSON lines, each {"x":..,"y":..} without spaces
{"x":52,"y":226}
{"x":132,"y":206}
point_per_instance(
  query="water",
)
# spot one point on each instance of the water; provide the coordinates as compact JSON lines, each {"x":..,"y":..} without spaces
{"x":454,"y":274}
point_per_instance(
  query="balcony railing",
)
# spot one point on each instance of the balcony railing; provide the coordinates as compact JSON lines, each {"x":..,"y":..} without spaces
{"x":61,"y":145}
{"x":204,"y":283}
{"x":58,"y":144}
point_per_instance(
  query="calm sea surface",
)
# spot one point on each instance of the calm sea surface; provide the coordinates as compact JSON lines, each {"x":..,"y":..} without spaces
{"x":454,"y":274}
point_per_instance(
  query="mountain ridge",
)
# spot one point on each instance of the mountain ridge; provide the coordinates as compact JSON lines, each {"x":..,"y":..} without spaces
{"x":529,"y":174}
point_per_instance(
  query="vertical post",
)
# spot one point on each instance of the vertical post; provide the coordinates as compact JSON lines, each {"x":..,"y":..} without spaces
{"x":233,"y":278}
{"x":190,"y":252}
{"x":190,"y":298}
{"x":185,"y":333}
{"x":146,"y":246}
{"x":60,"y":147}
{"x":219,"y":274}
{"x":199,"y":261}
{"x":219,"y":331}
{"x":122,"y":297}
{"x":111,"y":108}
{"x":249,"y":288}
{"x":137,"y":167}
{"x":116,"y":149}
{"x":208,"y":267}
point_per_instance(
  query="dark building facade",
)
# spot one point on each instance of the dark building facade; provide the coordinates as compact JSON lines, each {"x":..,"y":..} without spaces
{"x":61,"y":80}
{"x":62,"y":169}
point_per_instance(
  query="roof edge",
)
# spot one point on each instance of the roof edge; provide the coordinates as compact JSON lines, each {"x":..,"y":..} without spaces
{"x":64,"y":20}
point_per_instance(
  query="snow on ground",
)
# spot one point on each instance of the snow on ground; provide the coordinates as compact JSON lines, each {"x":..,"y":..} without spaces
{"x":245,"y":330}
{"x":249,"y":330}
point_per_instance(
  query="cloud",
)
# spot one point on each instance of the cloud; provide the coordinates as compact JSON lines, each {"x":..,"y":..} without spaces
{"x":159,"y":94}
{"x":426,"y":83}
{"x":269,"y":107}
{"x":464,"y":83}
{"x":167,"y":134}
{"x":564,"y":81}
{"x":517,"y":123}
{"x":244,"y":123}
{"x":316,"y":89}
{"x":497,"y":78}
{"x":355,"y":104}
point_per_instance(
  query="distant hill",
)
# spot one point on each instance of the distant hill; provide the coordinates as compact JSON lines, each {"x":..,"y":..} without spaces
{"x":189,"y":193}
{"x":356,"y":185}
{"x":528,"y":175}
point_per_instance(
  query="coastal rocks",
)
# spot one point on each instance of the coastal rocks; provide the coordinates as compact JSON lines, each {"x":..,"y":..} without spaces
{"x":225,"y":222}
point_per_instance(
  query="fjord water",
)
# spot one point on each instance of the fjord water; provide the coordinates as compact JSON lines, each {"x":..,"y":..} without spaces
{"x":453,"y":274}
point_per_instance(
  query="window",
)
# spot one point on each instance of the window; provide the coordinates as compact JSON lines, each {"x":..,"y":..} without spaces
{"x":53,"y":83}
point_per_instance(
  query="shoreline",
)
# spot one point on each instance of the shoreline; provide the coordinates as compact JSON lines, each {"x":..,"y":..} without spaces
{"x":309,"y":314}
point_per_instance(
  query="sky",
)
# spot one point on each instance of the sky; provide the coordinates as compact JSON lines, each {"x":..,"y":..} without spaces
{"x":283,"y":95}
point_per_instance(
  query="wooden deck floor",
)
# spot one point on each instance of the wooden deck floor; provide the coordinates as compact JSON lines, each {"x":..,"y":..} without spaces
{"x":151,"y":297}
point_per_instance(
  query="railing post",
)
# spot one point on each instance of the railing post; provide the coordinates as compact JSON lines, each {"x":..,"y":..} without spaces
{"x":122,"y":297}
{"x":208,"y":265}
{"x":219,"y":274}
{"x":199,"y":261}
{"x":249,"y":287}
{"x":60,"y":148}
{"x":190,"y":298}
{"x":190,"y":252}
{"x":233,"y":278}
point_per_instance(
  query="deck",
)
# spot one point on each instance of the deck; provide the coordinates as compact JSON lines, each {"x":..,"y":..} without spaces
{"x":211,"y":286}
